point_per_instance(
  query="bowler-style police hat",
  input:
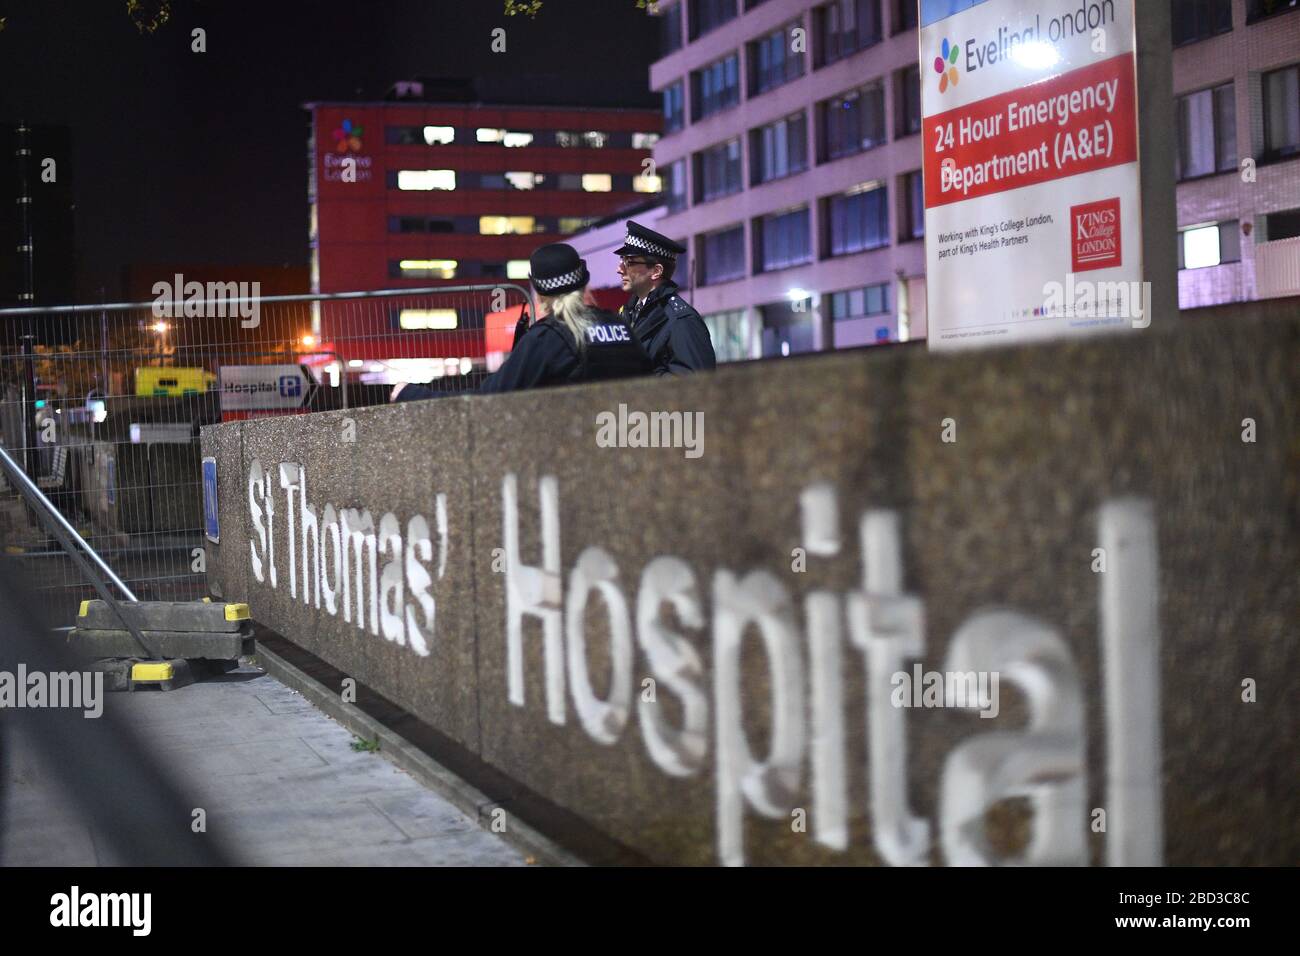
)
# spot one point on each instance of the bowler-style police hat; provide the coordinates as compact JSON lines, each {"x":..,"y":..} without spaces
{"x":557,"y":268}
{"x":641,"y":241}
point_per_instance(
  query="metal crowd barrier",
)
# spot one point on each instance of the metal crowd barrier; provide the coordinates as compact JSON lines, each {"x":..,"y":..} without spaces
{"x":101,"y":405}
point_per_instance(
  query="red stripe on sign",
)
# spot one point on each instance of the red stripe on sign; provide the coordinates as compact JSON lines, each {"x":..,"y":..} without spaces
{"x":1074,"y":123}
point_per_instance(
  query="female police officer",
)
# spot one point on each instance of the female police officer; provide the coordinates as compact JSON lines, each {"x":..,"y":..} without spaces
{"x":570,"y":342}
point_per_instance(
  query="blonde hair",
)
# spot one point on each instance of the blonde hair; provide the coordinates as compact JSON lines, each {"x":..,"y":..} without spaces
{"x":569,"y":308}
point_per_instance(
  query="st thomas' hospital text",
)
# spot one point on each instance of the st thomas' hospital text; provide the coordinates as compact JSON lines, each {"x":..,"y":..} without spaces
{"x":335,"y":556}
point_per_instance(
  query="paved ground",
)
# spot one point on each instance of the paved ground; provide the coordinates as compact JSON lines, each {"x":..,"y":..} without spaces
{"x":276,"y":776}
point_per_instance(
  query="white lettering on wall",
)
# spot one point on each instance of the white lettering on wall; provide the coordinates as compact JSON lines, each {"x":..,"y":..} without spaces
{"x":604,"y":720}
{"x":889,"y":627}
{"x":331,"y":541}
{"x":770,"y":786}
{"x":358,"y":530}
{"x":289,"y":484}
{"x":1130,"y":646}
{"x":823,"y":617}
{"x":392,"y":594}
{"x":1043,"y":762}
{"x":339,"y":551}
{"x":535,"y":592}
{"x":675,"y":663}
{"x":418,"y":580}
{"x":440,"y":515}
{"x":311,"y":558}
{"x":257,"y":549}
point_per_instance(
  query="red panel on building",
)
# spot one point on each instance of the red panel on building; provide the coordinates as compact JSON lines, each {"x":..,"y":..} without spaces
{"x":370,"y":233}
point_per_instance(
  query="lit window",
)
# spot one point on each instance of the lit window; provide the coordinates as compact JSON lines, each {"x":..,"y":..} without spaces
{"x":517,"y":269}
{"x":597,"y":182}
{"x":863,"y":187}
{"x":428,"y":268}
{"x":647,"y":184}
{"x":438,"y":135}
{"x":505,"y":225}
{"x":591,"y":139}
{"x":644,"y":140}
{"x":1201,"y":247}
{"x":426,"y":179}
{"x":523,"y":180}
{"x":574,"y":223}
{"x":1209,"y":245}
{"x":428,"y":319}
{"x":505,"y":137}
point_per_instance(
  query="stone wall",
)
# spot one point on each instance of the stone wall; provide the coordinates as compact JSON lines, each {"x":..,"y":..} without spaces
{"x":707,"y":652}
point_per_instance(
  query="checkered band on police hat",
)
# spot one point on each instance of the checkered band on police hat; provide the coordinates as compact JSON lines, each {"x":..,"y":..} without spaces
{"x":651,"y":247}
{"x":557,"y":268}
{"x":562,"y":283}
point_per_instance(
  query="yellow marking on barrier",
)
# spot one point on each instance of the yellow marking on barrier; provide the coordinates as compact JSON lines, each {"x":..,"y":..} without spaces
{"x":14,"y":549}
{"x":85,"y":609}
{"x":236,"y":612}
{"x":151,"y":672}
{"x":207,"y":600}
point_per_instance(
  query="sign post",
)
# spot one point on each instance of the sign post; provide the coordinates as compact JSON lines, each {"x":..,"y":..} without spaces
{"x":1036,"y":205}
{"x":265,"y":387}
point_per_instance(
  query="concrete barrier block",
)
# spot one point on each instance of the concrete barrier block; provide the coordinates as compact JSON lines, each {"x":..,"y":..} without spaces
{"x":1030,"y":605}
{"x":982,"y":494}
{"x":164,"y":616}
{"x":163,"y":645}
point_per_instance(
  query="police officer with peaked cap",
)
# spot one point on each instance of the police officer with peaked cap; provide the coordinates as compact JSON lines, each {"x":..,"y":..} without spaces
{"x":570,"y":342}
{"x":672,"y":333}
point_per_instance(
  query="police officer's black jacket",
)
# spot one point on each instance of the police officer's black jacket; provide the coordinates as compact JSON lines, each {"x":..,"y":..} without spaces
{"x":671,"y":332}
{"x":548,"y":355}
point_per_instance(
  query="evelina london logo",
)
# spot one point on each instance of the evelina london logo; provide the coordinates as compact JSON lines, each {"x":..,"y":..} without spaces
{"x":348,"y":137}
{"x":946,"y":66}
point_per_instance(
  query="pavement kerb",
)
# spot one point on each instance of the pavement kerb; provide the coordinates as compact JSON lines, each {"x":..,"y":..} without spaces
{"x":414,"y":761}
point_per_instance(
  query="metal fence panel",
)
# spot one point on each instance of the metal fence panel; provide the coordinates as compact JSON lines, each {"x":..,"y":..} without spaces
{"x":102,"y":405}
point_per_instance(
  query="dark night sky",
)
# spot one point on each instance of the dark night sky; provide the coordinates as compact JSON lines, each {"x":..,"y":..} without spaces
{"x":202,"y":157}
